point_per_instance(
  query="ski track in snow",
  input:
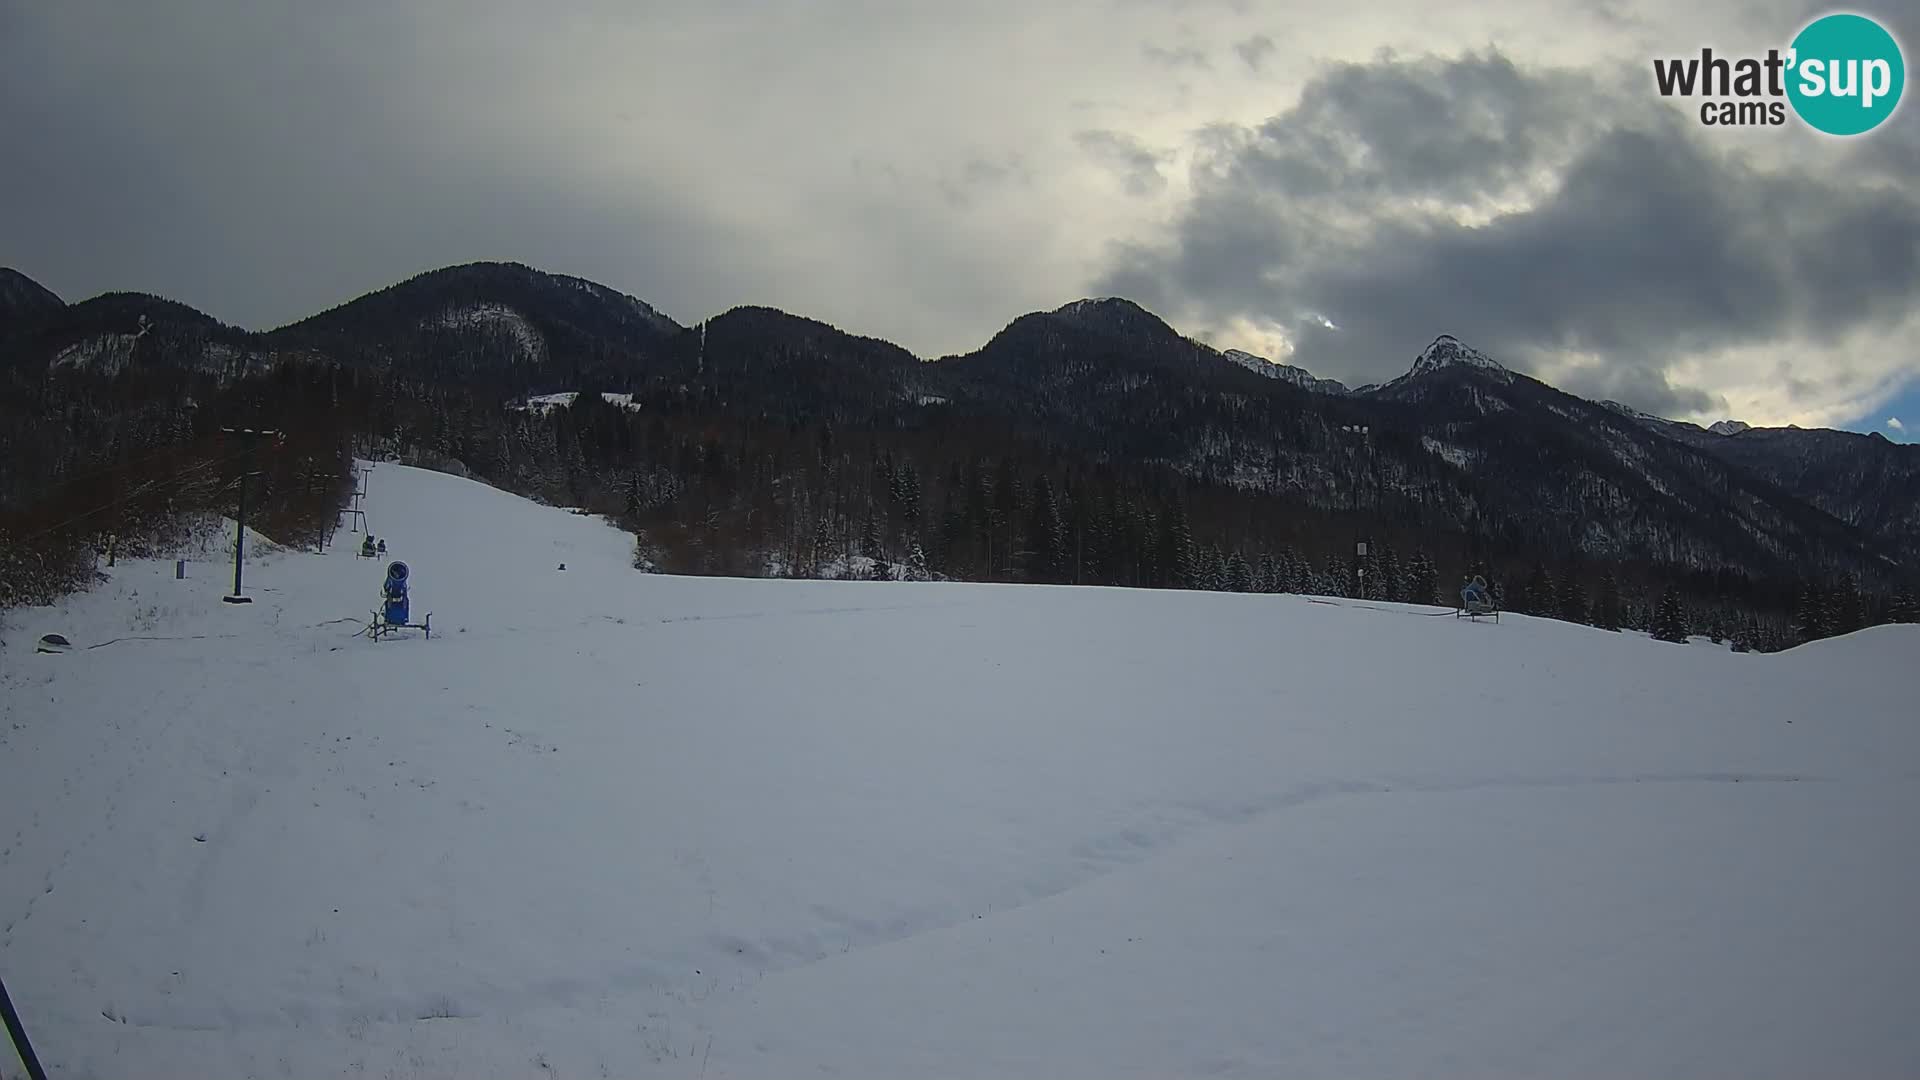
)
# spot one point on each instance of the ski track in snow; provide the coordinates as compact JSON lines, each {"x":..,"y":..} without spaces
{"x":603,"y":819}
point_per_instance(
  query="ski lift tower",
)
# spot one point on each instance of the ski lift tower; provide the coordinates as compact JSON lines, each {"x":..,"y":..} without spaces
{"x":250,"y":438}
{"x":1364,"y":434}
{"x":356,"y":512}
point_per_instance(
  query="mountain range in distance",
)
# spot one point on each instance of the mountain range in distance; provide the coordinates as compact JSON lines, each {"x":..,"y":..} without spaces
{"x":1458,"y":442}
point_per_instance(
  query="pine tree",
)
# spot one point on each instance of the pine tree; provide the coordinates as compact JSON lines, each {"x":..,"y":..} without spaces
{"x":1046,"y":536}
{"x":1268,"y":578}
{"x":1293,"y":572}
{"x":1423,"y":580}
{"x":1749,"y":636}
{"x":1669,"y":620}
{"x":1573,"y":600}
{"x":1903,"y":609}
{"x":1239,"y":575}
{"x":1536,"y":595}
{"x":917,"y":567}
{"x":1810,"y":614}
{"x":1847,"y":613}
{"x":1606,"y":607}
{"x":1179,"y":559}
{"x":1339,"y":577}
{"x":908,"y":495}
{"x":1213,"y":573}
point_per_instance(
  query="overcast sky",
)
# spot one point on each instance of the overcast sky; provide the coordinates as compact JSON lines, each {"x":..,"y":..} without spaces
{"x":1322,"y":181}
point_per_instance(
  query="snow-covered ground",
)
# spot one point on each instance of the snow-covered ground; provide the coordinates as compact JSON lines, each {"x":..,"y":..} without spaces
{"x":610,"y":824}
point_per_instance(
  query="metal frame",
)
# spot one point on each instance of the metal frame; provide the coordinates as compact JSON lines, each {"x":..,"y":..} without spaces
{"x":380,"y":628}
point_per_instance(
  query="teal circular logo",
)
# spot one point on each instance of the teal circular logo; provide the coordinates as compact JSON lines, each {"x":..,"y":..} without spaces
{"x":1846,"y":74}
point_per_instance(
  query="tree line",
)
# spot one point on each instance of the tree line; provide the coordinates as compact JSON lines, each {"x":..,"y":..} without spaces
{"x":133,"y":457}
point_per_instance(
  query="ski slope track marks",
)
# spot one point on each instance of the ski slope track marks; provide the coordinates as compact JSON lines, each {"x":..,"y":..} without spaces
{"x":608,"y":823}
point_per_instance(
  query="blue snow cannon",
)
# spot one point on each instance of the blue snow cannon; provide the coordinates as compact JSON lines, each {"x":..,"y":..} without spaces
{"x":395,"y":593}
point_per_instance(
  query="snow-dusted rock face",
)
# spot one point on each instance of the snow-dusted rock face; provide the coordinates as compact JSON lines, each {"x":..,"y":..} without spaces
{"x":1286,"y":373}
{"x":1447,"y":351}
{"x":104,"y":354}
{"x":546,"y":403}
{"x":530,"y":347}
{"x":1729,"y":427}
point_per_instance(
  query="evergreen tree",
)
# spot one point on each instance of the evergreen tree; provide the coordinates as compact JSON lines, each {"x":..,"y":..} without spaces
{"x":917,"y":568}
{"x":1423,"y":580}
{"x":1268,"y":579}
{"x":1293,"y":571}
{"x":1810,"y":614}
{"x":1180,"y":568}
{"x":1669,"y":620}
{"x":1046,"y":536}
{"x":1239,"y":575}
{"x":1536,"y":594}
{"x":1213,"y":573}
{"x":1903,"y":609}
{"x":1847,"y":614}
{"x":1392,"y":584}
{"x":1606,"y":607}
{"x":907,"y":492}
{"x":1573,"y":600}
{"x":1338,"y":577}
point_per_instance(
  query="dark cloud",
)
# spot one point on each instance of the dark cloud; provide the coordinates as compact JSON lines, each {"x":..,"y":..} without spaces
{"x":1138,"y":166}
{"x":1536,"y":214}
{"x":1429,"y":127}
{"x":1255,"y":50}
{"x":140,"y":163}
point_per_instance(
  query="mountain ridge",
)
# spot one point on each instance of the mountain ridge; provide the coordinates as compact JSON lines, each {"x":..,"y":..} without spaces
{"x":1444,"y":351}
{"x":1458,"y":442}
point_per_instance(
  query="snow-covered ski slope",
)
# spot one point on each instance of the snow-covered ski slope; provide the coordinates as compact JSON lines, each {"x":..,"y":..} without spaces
{"x":611,"y":824}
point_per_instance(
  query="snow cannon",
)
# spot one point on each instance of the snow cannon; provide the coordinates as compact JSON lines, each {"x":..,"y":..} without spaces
{"x":395,"y":593}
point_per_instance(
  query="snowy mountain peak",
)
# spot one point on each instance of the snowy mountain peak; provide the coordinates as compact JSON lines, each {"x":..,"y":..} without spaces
{"x":1448,"y":351}
{"x":1100,"y":305}
{"x":1729,"y":427}
{"x":1116,"y":316}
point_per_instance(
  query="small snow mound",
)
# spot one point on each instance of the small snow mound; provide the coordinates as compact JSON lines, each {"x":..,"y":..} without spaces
{"x":1730,"y":427}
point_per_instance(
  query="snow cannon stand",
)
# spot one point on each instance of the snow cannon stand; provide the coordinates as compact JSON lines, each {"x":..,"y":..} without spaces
{"x":1476,"y":602}
{"x":395,"y":611}
{"x":1476,"y":612}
